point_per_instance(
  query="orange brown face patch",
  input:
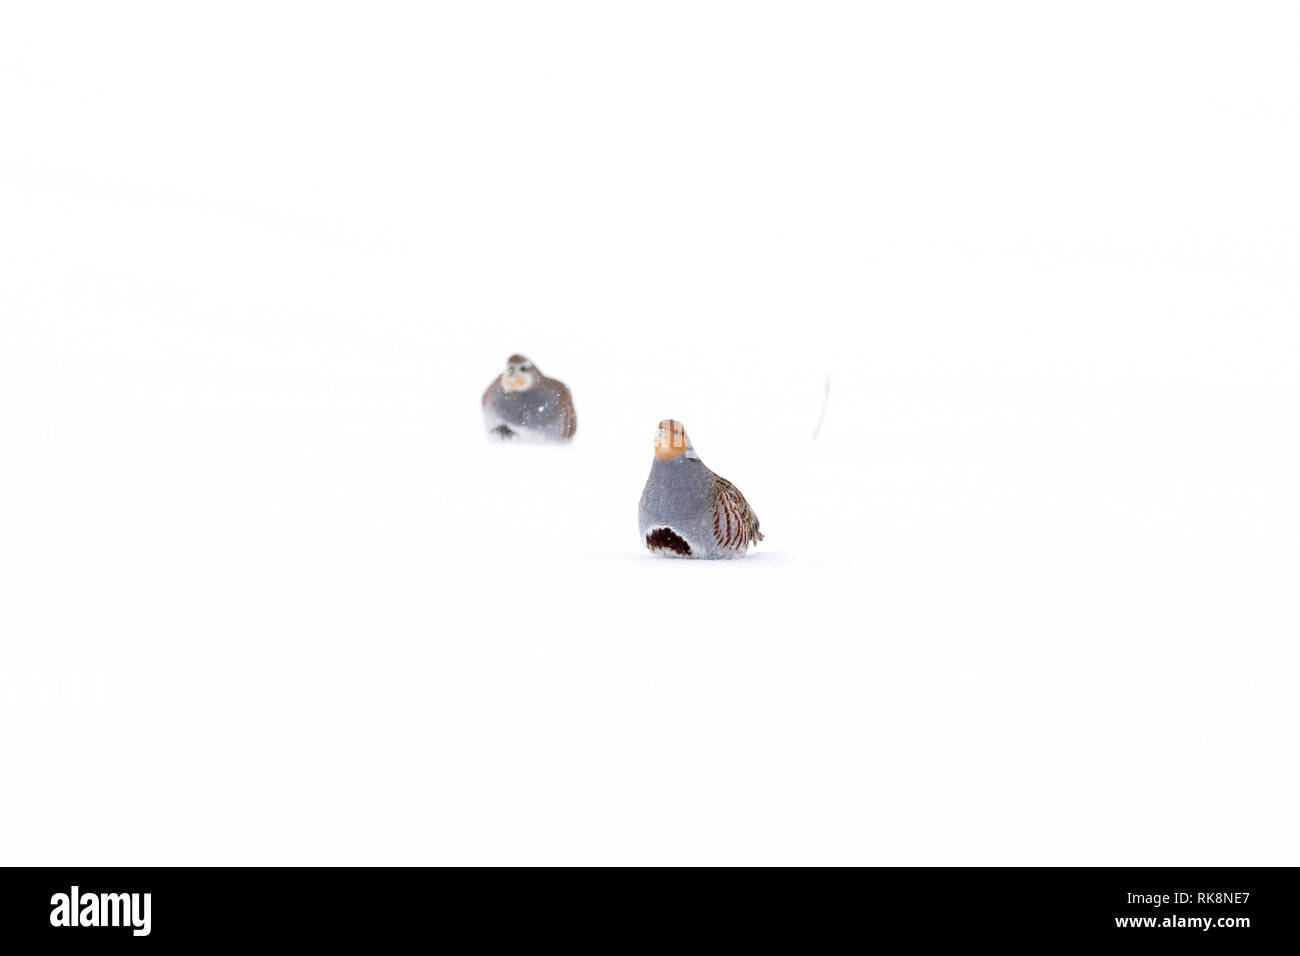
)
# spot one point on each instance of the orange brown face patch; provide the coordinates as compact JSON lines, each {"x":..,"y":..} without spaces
{"x":670,"y":440}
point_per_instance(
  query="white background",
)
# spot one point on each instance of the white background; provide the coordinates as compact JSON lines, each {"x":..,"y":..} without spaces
{"x":268,"y":596}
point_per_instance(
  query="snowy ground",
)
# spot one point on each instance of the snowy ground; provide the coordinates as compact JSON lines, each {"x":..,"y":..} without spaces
{"x":1029,"y":596}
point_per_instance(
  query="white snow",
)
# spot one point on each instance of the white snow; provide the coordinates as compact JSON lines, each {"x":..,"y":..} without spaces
{"x":271,"y":596}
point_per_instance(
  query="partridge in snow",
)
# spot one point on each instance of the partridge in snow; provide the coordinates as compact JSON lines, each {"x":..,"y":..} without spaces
{"x":523,"y":403}
{"x":686,"y":510}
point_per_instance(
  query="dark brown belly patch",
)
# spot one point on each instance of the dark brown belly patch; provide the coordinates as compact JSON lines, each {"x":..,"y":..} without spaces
{"x":665,"y":539}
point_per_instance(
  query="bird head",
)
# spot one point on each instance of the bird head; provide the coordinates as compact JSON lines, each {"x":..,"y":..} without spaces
{"x":671,"y":440}
{"x":520,"y":374}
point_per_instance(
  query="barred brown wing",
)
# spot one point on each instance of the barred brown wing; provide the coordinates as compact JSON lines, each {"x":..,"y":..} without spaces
{"x":735,"y":526}
{"x":566,"y":408}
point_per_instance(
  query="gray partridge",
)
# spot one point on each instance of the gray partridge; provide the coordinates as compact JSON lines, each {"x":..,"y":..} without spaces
{"x":523,"y":403}
{"x":686,"y":510}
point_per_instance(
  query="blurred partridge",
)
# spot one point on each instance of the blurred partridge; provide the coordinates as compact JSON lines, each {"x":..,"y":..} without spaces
{"x":523,"y":403}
